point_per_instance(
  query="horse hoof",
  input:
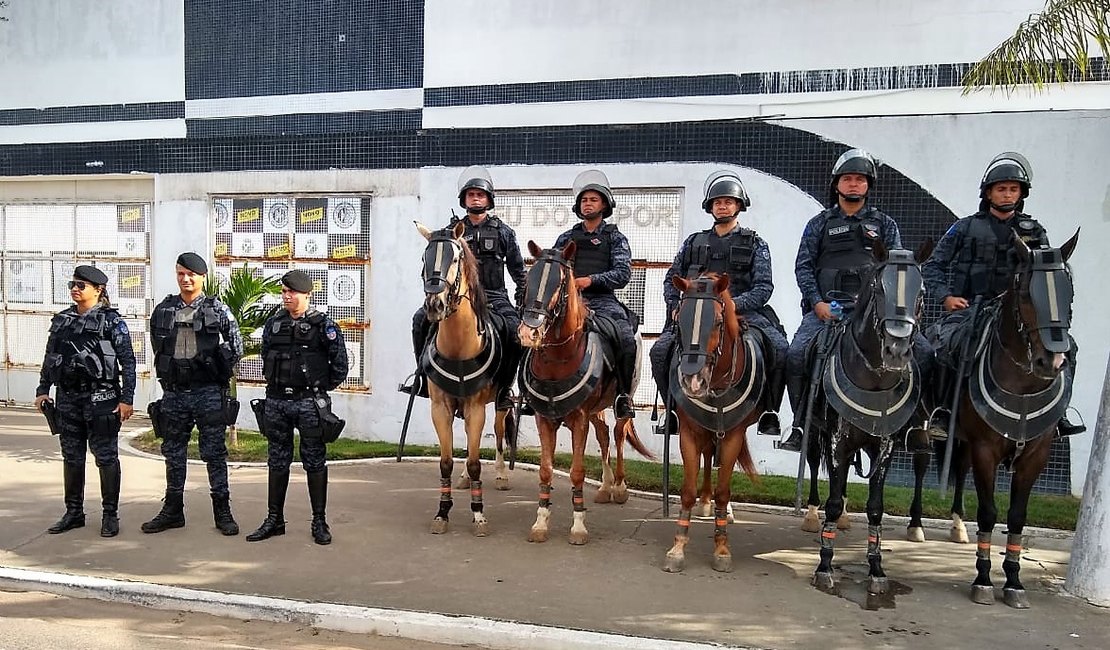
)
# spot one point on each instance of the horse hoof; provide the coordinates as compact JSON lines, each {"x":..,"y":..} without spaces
{"x":464,"y":483}
{"x":958,"y":535}
{"x":1015,"y":598}
{"x":501,"y":483}
{"x":674,"y":563}
{"x":439,"y":526}
{"x":578,"y":539}
{"x":620,"y":495}
{"x":811,"y":524}
{"x":876,"y":586}
{"x":844,"y":523}
{"x":538,"y":536}
{"x":982,"y":594}
{"x":481,"y":528}
{"x":823,"y":581}
{"x":702,"y":510}
{"x":915,"y":534}
{"x":722,"y":563}
{"x":603,"y":496}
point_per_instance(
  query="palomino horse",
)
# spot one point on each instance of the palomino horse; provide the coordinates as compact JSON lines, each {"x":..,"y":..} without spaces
{"x":460,"y":365}
{"x":567,"y":379}
{"x":869,"y":390}
{"x":1016,"y":394}
{"x":720,"y":376}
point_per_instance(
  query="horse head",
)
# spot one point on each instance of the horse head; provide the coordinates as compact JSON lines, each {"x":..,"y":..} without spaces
{"x":448,"y":272}
{"x":1040,"y":303}
{"x":885,"y":317}
{"x":548,"y":288}
{"x":708,"y":329}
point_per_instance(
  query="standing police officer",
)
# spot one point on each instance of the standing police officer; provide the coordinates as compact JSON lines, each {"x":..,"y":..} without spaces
{"x":834,"y":254}
{"x":196,"y":344}
{"x":974,"y":259}
{"x":603,"y":264}
{"x":727,"y":247}
{"x":494,"y":244}
{"x":88,"y":352}
{"x":303,"y":357}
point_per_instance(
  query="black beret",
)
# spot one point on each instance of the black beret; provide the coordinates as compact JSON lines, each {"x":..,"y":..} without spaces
{"x":193,"y":262}
{"x":297,"y":280}
{"x":90,"y":274}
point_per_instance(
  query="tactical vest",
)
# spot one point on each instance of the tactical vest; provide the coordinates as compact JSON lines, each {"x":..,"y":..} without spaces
{"x":845,"y":255}
{"x":733,"y":255}
{"x":297,"y":355}
{"x":984,"y":265}
{"x":593,"y":254}
{"x":485,"y":242}
{"x":79,"y":352}
{"x":187,"y":344}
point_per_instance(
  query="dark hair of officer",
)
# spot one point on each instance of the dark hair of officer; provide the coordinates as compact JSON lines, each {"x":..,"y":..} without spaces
{"x":475,"y":177}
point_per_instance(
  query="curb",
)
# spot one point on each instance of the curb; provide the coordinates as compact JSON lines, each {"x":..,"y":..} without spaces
{"x":420,"y":626}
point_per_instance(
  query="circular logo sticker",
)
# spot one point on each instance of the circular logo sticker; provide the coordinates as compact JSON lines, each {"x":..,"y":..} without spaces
{"x":248,"y":246}
{"x":222,"y":215}
{"x":344,"y":215}
{"x":311,"y":246}
{"x":279,"y":215}
{"x":344,"y":288}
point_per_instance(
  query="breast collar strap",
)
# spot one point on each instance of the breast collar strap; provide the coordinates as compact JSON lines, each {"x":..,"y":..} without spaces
{"x":463,"y":378}
{"x":724,"y":411}
{"x":876,"y":412}
{"x":1020,"y":418}
{"x":555,"y":398}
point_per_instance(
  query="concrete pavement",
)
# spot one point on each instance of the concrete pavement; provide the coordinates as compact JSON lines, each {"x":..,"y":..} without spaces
{"x":385,"y":564}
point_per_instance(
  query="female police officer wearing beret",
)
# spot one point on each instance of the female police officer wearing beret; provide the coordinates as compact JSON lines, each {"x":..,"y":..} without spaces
{"x":88,"y":353}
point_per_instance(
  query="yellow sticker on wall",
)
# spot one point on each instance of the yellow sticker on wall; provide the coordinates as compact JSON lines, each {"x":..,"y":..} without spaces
{"x":339,"y":252}
{"x":131,"y":281}
{"x":134,"y":214}
{"x":317,"y":285}
{"x":250,"y":214}
{"x":315,"y":214}
{"x":281,"y":250}
{"x":221,"y":249}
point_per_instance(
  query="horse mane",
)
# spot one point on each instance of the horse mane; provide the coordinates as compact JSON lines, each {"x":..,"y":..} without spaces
{"x":732,"y":319}
{"x":474,"y":284}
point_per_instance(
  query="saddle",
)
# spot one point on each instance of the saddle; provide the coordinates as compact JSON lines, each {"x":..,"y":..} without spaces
{"x":610,"y":335}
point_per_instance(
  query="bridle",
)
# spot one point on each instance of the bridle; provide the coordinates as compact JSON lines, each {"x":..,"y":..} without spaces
{"x":695,"y":356}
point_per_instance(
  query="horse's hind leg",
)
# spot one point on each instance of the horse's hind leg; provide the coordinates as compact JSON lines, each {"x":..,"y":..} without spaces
{"x":915,"y":532}
{"x":704,"y":507}
{"x":811,"y":523}
{"x":501,"y":479}
{"x":620,"y":488}
{"x":601,"y":430}
{"x":958,"y":532}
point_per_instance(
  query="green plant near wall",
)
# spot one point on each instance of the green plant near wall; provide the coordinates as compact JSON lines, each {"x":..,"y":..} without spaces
{"x":243,"y":295}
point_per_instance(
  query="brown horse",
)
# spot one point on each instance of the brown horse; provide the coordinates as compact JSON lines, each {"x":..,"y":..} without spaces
{"x":1015,"y":396}
{"x":460,"y":366}
{"x":720,"y":380}
{"x":567,"y":380}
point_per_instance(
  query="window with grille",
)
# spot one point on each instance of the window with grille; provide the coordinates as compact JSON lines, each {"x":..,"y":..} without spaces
{"x":326,"y":236}
{"x":43,"y":243}
{"x":651,"y":219}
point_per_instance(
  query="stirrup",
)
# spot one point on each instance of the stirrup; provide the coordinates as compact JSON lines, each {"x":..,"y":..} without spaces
{"x":1066,"y":428}
{"x":769,"y":424}
{"x":938,"y":424}
{"x":793,"y":442}
{"x":622,"y":407}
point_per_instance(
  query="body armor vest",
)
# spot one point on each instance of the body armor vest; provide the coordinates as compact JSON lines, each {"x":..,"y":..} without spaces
{"x":485,"y":242}
{"x":187,"y":344}
{"x":79,"y":352}
{"x":297,"y":355}
{"x":733,"y":255}
{"x":593,"y":253}
{"x":984,"y":266}
{"x":845,"y":255}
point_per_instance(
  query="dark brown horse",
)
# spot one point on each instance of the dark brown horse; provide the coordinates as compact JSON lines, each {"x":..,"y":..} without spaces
{"x":464,"y":360}
{"x":566,"y":379}
{"x":1015,"y":396}
{"x":720,"y":378}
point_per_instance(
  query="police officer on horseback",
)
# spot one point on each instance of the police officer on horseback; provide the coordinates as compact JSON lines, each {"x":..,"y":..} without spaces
{"x":602,"y":265}
{"x":834,"y":255}
{"x":196,"y":344}
{"x":90,"y":362}
{"x":974,"y":259}
{"x":494,"y":245}
{"x":727,"y":247}
{"x":303,"y":357}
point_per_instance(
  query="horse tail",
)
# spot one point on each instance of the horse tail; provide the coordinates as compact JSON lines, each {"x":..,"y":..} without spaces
{"x":627,"y":431}
{"x":744,"y":460}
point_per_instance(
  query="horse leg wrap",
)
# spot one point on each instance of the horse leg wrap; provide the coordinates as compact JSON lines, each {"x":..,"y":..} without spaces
{"x":475,"y":496}
{"x":828,"y":541}
{"x":578,"y":500}
{"x":983,"y":546}
{"x":545,"y":496}
{"x":1013,"y":548}
{"x":683,"y":523}
{"x":874,"y":540}
{"x":720,"y":522}
{"x":445,"y":502}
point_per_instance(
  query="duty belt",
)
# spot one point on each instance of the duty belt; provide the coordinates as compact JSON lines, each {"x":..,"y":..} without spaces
{"x":278,"y":392}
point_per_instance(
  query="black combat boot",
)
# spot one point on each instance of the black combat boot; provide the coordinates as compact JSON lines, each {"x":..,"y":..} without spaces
{"x":626,"y":371}
{"x":769,"y":424}
{"x":274,"y":524}
{"x":419,"y":384}
{"x":941,"y":390}
{"x":172,"y":514}
{"x":109,"y":497}
{"x":73,"y":479}
{"x":318,"y":497}
{"x":1067,"y":428}
{"x":221,"y":514}
{"x":797,"y":391}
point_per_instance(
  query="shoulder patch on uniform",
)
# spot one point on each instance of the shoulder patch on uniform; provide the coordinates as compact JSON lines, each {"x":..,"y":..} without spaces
{"x":1027,"y":224}
{"x":332,"y":333}
{"x":871,"y":231}
{"x":121,"y":325}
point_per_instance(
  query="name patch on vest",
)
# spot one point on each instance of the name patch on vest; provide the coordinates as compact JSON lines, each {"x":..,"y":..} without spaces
{"x":839,"y":230}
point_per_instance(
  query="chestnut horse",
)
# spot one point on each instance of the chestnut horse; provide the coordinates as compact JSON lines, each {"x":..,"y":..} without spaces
{"x":720,"y":378}
{"x":460,"y":366}
{"x":567,"y":379}
{"x":1016,"y":393}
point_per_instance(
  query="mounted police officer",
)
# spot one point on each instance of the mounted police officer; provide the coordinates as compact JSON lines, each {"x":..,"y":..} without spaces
{"x":835,"y":254}
{"x":196,"y":344}
{"x":90,"y":361}
{"x":727,"y":247}
{"x":602,"y":265}
{"x":494,"y":245}
{"x":975,"y":259}
{"x":303,"y":357}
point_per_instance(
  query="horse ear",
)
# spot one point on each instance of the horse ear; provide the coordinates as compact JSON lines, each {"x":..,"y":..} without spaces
{"x":925,"y":251}
{"x":459,"y":229}
{"x":879,"y":251}
{"x":720,"y":285}
{"x":423,"y":230}
{"x":534,"y":250}
{"x":680,"y":283}
{"x":1069,"y":246}
{"x":1020,"y":248}
{"x":569,"y":250}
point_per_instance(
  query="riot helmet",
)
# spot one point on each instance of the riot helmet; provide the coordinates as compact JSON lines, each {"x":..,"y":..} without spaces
{"x":596,"y":181}
{"x":1006,"y":166}
{"x":724,"y":184}
{"x":853,"y":161}
{"x":475,"y":177}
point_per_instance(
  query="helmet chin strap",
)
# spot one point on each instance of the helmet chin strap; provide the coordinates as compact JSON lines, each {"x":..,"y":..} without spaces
{"x":1005,"y":208}
{"x":475,"y":210}
{"x":852,"y":198}
{"x":719,"y":220}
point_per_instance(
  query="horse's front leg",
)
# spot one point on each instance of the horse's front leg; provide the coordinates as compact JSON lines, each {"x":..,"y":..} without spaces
{"x":839,"y":467}
{"x":443,"y":420}
{"x":601,"y":432}
{"x":915,"y":532}
{"x":547,"y":429}
{"x":1026,"y":470}
{"x":985,"y":464}
{"x":730,"y":448}
{"x":579,"y":426}
{"x":877,"y":581}
{"x":501,"y":479}
{"x":475,"y":414}
{"x":690,"y":445}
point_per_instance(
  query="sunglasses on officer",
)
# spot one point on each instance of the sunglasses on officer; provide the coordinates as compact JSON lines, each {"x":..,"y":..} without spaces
{"x":78,"y":284}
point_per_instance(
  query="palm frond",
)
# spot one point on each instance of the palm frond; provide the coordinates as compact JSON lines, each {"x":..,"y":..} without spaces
{"x":243,"y":294}
{"x":1052,"y":46}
